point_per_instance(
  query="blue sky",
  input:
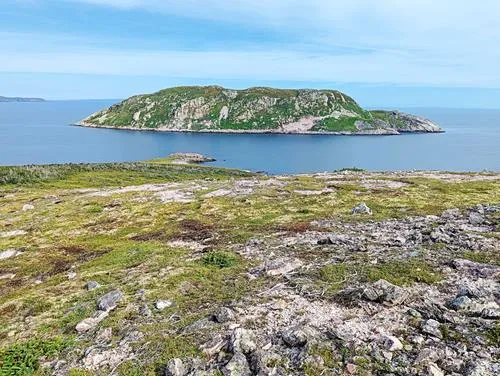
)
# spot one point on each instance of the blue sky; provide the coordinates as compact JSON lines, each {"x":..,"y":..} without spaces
{"x":384,"y":53}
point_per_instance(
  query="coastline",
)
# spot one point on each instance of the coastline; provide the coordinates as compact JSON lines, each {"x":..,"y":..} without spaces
{"x":391,"y":132}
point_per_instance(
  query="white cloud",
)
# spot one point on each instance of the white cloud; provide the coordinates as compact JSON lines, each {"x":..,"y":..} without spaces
{"x":445,"y":42}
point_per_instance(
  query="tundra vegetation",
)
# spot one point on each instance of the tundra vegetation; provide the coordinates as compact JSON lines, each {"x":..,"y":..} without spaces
{"x":162,"y":268}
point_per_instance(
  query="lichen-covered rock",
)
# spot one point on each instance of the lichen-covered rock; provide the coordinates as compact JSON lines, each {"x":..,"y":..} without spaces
{"x":361,"y":209}
{"x":237,"y":366}
{"x":432,"y":327}
{"x":110,"y":300}
{"x":295,"y":337}
{"x":243,"y":341}
{"x":176,"y":367}
{"x":386,"y":293}
{"x":223,"y":314}
{"x":92,"y":285}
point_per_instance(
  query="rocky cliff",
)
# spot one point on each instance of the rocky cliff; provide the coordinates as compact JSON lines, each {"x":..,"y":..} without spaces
{"x":254,"y":110}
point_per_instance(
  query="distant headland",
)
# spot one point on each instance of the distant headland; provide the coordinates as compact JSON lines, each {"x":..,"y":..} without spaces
{"x":20,"y":99}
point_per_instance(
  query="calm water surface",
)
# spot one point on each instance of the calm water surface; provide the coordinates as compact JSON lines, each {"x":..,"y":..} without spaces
{"x":39,"y":133}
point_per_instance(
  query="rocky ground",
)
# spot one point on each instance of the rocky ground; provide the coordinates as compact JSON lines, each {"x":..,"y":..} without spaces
{"x":197,"y":271}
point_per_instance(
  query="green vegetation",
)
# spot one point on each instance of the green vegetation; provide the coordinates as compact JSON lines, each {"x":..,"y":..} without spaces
{"x":493,"y":336}
{"x":23,"y":358}
{"x":344,"y":124}
{"x":108,"y":174}
{"x":398,"y":272}
{"x":219,"y":259}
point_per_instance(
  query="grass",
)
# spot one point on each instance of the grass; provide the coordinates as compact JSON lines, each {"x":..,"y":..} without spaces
{"x":23,"y":358}
{"x":401,"y":273}
{"x":219,"y":259}
{"x":108,"y":174}
{"x":483,"y":257}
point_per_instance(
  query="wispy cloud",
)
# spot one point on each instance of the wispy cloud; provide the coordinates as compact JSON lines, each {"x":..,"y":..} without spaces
{"x":447,"y":42}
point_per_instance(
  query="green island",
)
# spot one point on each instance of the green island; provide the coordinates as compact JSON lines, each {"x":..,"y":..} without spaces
{"x":254,"y":110}
{"x":166,"y":267}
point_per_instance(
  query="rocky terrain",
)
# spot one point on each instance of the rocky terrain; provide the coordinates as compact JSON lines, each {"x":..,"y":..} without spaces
{"x":155,"y":268}
{"x":254,"y":110}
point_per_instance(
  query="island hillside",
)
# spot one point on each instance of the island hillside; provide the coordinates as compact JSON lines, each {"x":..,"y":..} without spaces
{"x":253,"y":110}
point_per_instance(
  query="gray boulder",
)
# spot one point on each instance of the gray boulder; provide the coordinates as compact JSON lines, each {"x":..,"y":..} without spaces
{"x":176,"y":367}
{"x":237,"y":366}
{"x":431,"y":327}
{"x":476,"y":219}
{"x":461,"y":303}
{"x":242,"y":341}
{"x":362,"y":208}
{"x":110,"y":300}
{"x":223,"y":314}
{"x":92,"y":285}
{"x":386,"y":293}
{"x":295,"y":337}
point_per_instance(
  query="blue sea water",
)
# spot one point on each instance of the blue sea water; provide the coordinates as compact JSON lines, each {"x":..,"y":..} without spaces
{"x":40,"y":133}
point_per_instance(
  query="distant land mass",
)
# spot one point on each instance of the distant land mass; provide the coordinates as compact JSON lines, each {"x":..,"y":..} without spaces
{"x":20,"y":99}
{"x":254,"y":110}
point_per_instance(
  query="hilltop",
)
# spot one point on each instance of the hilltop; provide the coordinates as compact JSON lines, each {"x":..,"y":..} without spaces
{"x":253,"y":110}
{"x":168,"y":268}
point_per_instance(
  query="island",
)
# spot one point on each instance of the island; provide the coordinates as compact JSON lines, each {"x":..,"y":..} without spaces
{"x":20,"y":99}
{"x":254,"y":110}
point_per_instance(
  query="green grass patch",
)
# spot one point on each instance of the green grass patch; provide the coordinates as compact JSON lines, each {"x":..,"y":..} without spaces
{"x":483,"y":257}
{"x":401,"y":273}
{"x":23,"y":358}
{"x":219,"y":259}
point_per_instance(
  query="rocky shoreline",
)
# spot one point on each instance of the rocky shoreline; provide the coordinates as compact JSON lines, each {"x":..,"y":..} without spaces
{"x":368,"y":132}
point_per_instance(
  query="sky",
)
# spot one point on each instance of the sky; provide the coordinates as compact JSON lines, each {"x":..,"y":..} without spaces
{"x":385,"y":53}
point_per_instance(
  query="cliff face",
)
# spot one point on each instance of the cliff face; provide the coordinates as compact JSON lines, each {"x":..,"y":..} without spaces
{"x":213,"y":108}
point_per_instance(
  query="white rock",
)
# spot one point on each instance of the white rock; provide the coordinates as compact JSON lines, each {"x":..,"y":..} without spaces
{"x":162,"y":304}
{"x":10,"y":234}
{"x":392,"y":343}
{"x":8,"y":253}
{"x":27,"y":207}
{"x":90,"y":323}
{"x":282,"y":266}
{"x":434,"y":370}
{"x":361,"y":209}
